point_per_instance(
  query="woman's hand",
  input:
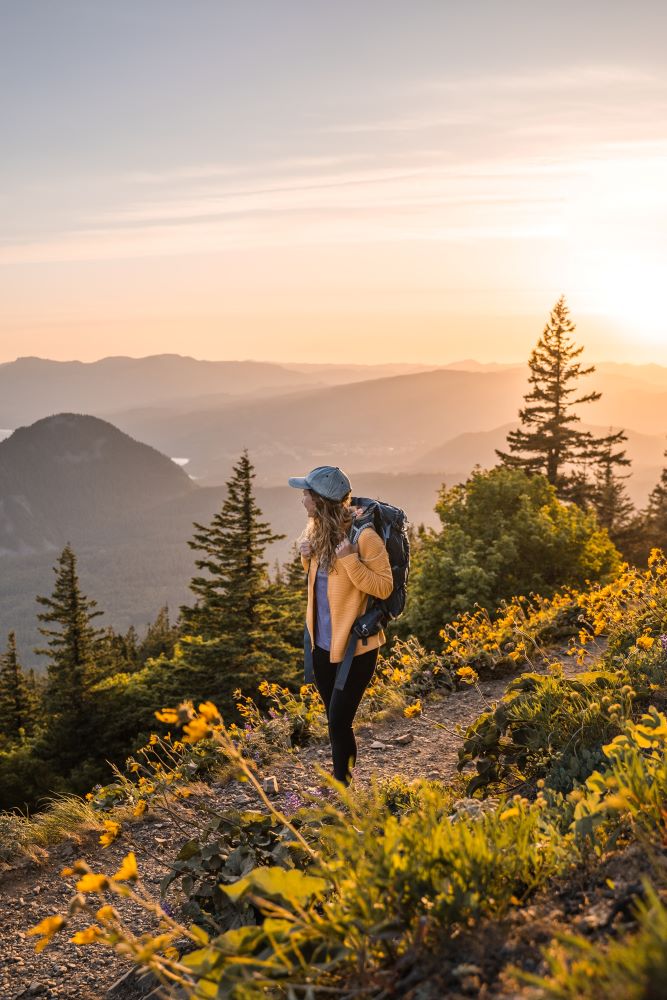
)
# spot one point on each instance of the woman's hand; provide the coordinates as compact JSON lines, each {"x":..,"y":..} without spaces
{"x":304,"y":548}
{"x":345,"y":548}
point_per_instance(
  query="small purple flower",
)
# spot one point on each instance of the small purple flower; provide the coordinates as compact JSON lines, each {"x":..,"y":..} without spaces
{"x":273,"y":714}
{"x":166,"y":908}
{"x":293,"y":802}
{"x":663,"y":642}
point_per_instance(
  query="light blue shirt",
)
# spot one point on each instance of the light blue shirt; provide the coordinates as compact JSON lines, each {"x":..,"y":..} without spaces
{"x":323,"y":612}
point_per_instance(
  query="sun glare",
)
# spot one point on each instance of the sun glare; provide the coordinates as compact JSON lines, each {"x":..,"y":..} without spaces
{"x":632,"y":296}
{"x":620,"y":244}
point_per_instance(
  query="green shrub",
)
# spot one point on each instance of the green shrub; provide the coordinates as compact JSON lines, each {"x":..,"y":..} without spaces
{"x":503,"y":533}
{"x":546,"y":726}
{"x":629,"y":794}
{"x":227,"y":849}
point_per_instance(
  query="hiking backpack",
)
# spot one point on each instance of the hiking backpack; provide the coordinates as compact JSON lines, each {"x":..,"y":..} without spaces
{"x":391,"y":525}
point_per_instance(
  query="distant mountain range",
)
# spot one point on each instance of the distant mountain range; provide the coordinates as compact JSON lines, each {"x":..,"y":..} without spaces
{"x":91,"y":467}
{"x":31,"y":387}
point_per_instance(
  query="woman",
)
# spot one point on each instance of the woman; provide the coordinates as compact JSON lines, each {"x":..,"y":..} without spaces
{"x":341,"y":576}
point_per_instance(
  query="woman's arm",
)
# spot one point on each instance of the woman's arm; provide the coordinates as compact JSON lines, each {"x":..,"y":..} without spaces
{"x":370,"y":570}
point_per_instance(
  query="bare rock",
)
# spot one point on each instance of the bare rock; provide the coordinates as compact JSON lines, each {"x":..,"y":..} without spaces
{"x":270,"y":785}
{"x":403,"y":739}
{"x":378,"y":745}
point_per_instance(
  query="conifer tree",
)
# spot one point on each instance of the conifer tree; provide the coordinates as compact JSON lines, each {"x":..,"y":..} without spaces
{"x":72,"y":646}
{"x":656,"y":514}
{"x":160,"y":637}
{"x":548,"y":441}
{"x":609,"y":495}
{"x":231,"y":598}
{"x":17,"y":695}
{"x":288,"y":598}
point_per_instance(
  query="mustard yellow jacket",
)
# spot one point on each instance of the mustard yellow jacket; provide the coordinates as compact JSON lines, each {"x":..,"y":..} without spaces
{"x":351,"y":580}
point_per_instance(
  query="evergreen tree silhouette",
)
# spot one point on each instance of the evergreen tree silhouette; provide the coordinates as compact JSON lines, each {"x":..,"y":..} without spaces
{"x":548,"y":440}
{"x":72,"y":646}
{"x":233,"y":600}
{"x":18,"y":698}
{"x":656,"y":514}
{"x":609,"y":495}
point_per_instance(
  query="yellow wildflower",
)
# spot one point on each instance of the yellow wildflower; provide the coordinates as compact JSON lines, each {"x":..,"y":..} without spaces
{"x":128,"y":871}
{"x":467,"y":675}
{"x":414,"y":709}
{"x":46,"y":929}
{"x":645,"y":641}
{"x":92,"y":883}
{"x":112,"y":829}
{"x":140,"y":808}
{"x":87,"y":936}
{"x":105,"y":913}
{"x":209,"y":711}
{"x":168,"y":715}
{"x":196,"y":730}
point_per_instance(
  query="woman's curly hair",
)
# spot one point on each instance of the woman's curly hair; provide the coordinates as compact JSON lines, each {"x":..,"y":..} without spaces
{"x":328,"y":528}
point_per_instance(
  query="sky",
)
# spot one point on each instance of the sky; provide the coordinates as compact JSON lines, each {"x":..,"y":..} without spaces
{"x":313,"y":181}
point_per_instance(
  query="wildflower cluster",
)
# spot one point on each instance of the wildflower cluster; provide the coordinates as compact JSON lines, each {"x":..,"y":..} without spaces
{"x":630,"y":612}
{"x":163,"y":767}
{"x":288,"y":718}
{"x":405,"y":676}
{"x":546,"y":726}
{"x":515,"y":635}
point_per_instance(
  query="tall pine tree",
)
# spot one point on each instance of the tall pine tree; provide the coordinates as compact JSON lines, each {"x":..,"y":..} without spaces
{"x":17,"y":696}
{"x":548,"y":440}
{"x":233,"y":612}
{"x":72,"y":646}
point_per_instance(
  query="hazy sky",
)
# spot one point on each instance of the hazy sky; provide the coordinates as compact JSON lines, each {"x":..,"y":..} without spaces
{"x":318,"y":181}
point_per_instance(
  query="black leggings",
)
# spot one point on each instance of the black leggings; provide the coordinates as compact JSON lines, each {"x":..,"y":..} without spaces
{"x":341,"y":706}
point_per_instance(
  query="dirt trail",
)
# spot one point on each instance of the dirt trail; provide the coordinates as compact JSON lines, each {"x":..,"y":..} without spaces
{"x":32,"y":891}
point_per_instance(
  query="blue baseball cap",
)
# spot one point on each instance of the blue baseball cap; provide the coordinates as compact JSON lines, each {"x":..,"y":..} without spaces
{"x":326,"y":480}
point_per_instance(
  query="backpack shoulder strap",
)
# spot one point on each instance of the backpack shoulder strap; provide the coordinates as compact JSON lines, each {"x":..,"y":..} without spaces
{"x":365,"y":520}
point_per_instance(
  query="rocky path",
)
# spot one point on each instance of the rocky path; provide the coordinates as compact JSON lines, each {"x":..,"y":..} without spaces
{"x":415,"y":747}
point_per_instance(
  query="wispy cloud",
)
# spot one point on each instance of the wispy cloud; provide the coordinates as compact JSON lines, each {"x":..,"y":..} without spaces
{"x":515,"y":157}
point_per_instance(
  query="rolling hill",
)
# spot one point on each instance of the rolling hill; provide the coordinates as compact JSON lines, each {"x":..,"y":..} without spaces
{"x":128,"y":511}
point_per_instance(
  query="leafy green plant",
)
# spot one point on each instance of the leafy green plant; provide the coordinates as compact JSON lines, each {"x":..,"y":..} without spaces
{"x":630,"y":793}
{"x":228,"y":848}
{"x":546,"y":726}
